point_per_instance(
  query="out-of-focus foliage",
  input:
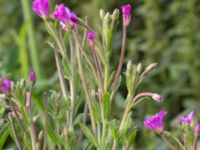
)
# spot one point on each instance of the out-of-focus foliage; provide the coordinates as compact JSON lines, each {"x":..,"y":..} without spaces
{"x":163,"y":31}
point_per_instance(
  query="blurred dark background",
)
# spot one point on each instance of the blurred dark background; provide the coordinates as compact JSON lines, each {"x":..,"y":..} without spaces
{"x":162,"y":31}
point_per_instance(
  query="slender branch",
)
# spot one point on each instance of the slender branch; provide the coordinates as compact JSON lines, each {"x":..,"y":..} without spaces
{"x":168,"y":143}
{"x":195,"y":140}
{"x":19,"y":145}
{"x":72,"y":82}
{"x":123,"y":48}
{"x":85,"y":86}
{"x":45,"y":123}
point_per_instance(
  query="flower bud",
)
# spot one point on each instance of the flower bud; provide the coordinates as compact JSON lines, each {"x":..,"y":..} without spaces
{"x":102,"y":13}
{"x":157,"y":97}
{"x":5,"y":85}
{"x":129,"y":70}
{"x":22,"y":83}
{"x":150,"y":67}
{"x":139,"y":68}
{"x":40,"y":135}
{"x":115,"y":15}
{"x":32,"y":76}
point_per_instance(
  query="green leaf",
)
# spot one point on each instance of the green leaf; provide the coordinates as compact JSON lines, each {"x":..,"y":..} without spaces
{"x":89,"y":135}
{"x":131,"y":137}
{"x":3,"y":137}
{"x":96,"y":110}
{"x":106,"y":105}
{"x":54,"y":137}
{"x":23,"y":59}
{"x":78,"y":119}
{"x":114,"y":129}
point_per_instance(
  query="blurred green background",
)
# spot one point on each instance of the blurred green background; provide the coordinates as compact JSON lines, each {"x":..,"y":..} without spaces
{"x":163,"y":31}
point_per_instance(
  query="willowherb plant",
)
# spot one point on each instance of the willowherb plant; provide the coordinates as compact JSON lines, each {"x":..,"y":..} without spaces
{"x":86,"y":79}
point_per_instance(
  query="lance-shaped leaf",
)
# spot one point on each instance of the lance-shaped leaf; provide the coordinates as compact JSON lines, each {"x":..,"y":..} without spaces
{"x":106,"y":105}
{"x":89,"y":135}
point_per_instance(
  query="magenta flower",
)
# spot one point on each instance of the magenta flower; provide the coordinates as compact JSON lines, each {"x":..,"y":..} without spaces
{"x":197,"y":128}
{"x":41,"y":8}
{"x":188,"y":119}
{"x":5,"y":85}
{"x":62,"y":13}
{"x":91,"y":36}
{"x":126,"y":12}
{"x":32,"y":76}
{"x":155,"y":122}
{"x":65,"y":16}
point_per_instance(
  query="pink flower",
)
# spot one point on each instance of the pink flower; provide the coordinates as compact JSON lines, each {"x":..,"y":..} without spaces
{"x":65,"y":16}
{"x":32,"y":76}
{"x":197,"y":128}
{"x":188,"y":119}
{"x":5,"y":85}
{"x":126,"y":12}
{"x":91,"y":36}
{"x":62,"y":13}
{"x":155,"y":122}
{"x":41,"y":8}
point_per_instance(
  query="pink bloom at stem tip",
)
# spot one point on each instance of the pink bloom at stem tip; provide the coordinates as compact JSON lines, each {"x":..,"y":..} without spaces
{"x":65,"y":16}
{"x":188,"y":119}
{"x":155,"y":122}
{"x":197,"y":128}
{"x":126,"y":13}
{"x":5,"y":85}
{"x":91,"y":36}
{"x":32,"y":76}
{"x":41,"y":8}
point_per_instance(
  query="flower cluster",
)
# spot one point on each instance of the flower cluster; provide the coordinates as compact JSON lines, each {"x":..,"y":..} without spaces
{"x":62,"y":13}
{"x":156,"y":123}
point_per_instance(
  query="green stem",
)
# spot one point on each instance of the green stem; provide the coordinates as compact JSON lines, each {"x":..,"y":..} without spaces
{"x":85,"y":86}
{"x":123,"y":48}
{"x":72,"y":82}
{"x":31,"y":37}
{"x":168,"y":143}
{"x":19,"y":145}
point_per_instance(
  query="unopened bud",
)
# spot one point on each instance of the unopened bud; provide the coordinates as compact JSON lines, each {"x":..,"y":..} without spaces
{"x":157,"y":97}
{"x":35,"y":118}
{"x":115,"y":14}
{"x":102,"y":13}
{"x":139,"y":68}
{"x":22,"y":83}
{"x":129,"y":70}
{"x":40,"y":135}
{"x":150,"y":67}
